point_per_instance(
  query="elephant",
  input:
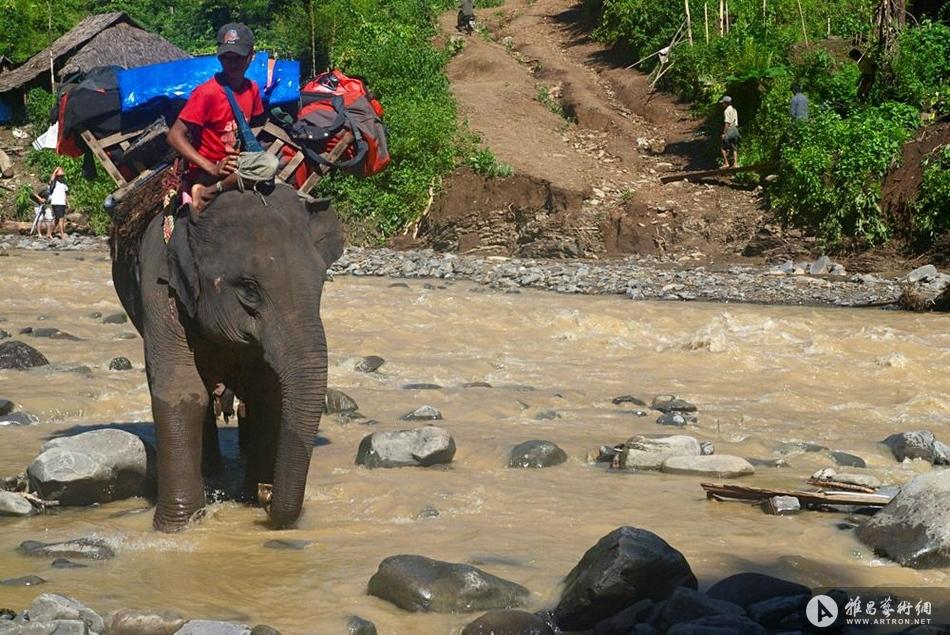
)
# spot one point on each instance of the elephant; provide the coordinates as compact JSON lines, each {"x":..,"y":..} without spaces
{"x":233,"y":299}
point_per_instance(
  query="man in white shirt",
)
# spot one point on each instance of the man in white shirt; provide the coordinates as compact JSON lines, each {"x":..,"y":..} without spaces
{"x":730,"y":132}
{"x":57,"y":199}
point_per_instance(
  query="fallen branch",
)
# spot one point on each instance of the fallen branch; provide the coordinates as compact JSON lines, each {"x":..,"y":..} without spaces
{"x":720,"y":491}
{"x":37,"y":501}
{"x":838,"y":485}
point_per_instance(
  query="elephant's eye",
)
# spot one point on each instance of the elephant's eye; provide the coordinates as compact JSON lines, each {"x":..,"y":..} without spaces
{"x":249,"y":293}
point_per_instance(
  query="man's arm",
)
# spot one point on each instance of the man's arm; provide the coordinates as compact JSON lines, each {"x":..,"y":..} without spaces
{"x":179,"y":139}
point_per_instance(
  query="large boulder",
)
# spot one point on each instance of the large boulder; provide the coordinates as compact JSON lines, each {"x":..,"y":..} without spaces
{"x":508,"y":622}
{"x":92,"y":467}
{"x":356,"y":625}
{"x":717,"y":465}
{"x":423,"y":585}
{"x":625,"y":566}
{"x":718,"y":625}
{"x":19,"y":356}
{"x":649,"y":453}
{"x":425,"y":446}
{"x":49,"y":607}
{"x":920,"y":444}
{"x":914,"y":528}
{"x":686,"y":605}
{"x":748,"y":588}
{"x":536,"y":454}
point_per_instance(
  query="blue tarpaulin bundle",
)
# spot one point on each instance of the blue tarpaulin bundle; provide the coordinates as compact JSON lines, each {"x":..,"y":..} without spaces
{"x":147,"y":86}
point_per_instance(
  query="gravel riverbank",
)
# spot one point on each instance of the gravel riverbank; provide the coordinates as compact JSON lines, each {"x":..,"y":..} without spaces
{"x":821,"y":282}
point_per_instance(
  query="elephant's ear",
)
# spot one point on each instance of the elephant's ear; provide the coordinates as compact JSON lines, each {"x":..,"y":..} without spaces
{"x":326,"y":230}
{"x":182,"y":267}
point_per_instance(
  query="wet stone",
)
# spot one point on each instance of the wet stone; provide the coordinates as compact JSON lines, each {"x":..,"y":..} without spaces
{"x":675,"y":419}
{"x":136,"y":622}
{"x":686,"y":605}
{"x":210,"y":627}
{"x":356,"y":625}
{"x":781,"y":506}
{"x":536,"y":454}
{"x":12,"y":504}
{"x":773,"y":610}
{"x":95,"y":315}
{"x":718,"y":465}
{"x":49,"y":607}
{"x":508,"y":622}
{"x":423,"y":413}
{"x":85,"y":548}
{"x":115,"y":318}
{"x":339,"y":401}
{"x":126,"y":336}
{"x":370,"y":364}
{"x":19,"y":356}
{"x":768,"y":462}
{"x":54,"y":334}
{"x":4,"y":334}
{"x":476,"y":384}
{"x":120,"y":363}
{"x":622,"y":399}
{"x":6,"y":407}
{"x":65,"y":563}
{"x":718,"y":625}
{"x":26,"y":580}
{"x":264,"y":629}
{"x":420,"y":584}
{"x":398,"y":285}
{"x":920,"y":444}
{"x":426,"y":512}
{"x":845,"y":459}
{"x":286,"y":544}
{"x":422,"y":387}
{"x":627,"y":565}
{"x":425,"y":446}
{"x":800,"y":446}
{"x":547,"y":415}
{"x":671,"y":403}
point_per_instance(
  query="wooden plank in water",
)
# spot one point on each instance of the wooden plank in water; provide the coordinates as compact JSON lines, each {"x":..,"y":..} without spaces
{"x":722,"y":491}
{"x":686,"y":176}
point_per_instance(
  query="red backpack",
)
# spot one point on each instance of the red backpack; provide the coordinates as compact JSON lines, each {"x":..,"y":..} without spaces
{"x":333,"y":104}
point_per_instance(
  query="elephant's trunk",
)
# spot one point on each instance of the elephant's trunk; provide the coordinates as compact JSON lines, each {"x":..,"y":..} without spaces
{"x":301,"y":365}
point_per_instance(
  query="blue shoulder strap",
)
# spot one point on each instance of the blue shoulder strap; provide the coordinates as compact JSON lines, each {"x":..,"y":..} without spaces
{"x":248,"y":141}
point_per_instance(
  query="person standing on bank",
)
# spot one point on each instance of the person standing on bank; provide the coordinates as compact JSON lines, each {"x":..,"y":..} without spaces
{"x":57,"y":199}
{"x":730,"y":132}
{"x":799,"y":108}
{"x":206,"y":133}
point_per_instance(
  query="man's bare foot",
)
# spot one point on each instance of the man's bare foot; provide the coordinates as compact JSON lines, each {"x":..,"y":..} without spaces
{"x":201,"y":195}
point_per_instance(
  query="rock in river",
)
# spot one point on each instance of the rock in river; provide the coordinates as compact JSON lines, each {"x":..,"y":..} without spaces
{"x":17,"y":355}
{"x":719,"y":465}
{"x":339,"y":401}
{"x":746,"y":589}
{"x":423,"y":413}
{"x":649,"y":453}
{"x":536,"y":454}
{"x":115,"y":318}
{"x":120,"y":363}
{"x":88,"y":548}
{"x":920,"y":444}
{"x":356,"y":625}
{"x":625,"y":566}
{"x":508,"y":622}
{"x":672,"y":403}
{"x":914,"y":528}
{"x":370,"y":364}
{"x":12,"y":504}
{"x":425,"y":446}
{"x":420,"y":584}
{"x":92,"y":467}
{"x":50,"y":607}
{"x":144,"y":622}
{"x":210,"y":627}
{"x":6,"y":407}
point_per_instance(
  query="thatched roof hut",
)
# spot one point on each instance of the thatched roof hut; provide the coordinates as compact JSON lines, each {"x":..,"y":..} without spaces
{"x":99,"y":40}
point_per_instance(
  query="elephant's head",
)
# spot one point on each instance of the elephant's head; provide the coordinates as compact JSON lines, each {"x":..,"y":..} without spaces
{"x":250,"y":277}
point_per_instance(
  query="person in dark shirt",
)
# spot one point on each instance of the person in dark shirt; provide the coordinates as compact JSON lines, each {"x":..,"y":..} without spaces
{"x":799,"y":107}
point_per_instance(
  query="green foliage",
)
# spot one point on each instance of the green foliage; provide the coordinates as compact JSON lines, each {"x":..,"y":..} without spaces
{"x":919,"y":71}
{"x":84,"y":196}
{"x":39,"y":103}
{"x":487,"y":164}
{"x":931,"y":214}
{"x":831,"y":171}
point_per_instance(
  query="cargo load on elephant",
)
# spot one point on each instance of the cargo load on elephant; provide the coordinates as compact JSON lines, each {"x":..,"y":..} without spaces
{"x":121,"y":117}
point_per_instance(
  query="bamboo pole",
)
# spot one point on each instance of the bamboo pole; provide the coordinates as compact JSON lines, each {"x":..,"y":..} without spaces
{"x":722,"y":14}
{"x":727,"y":17}
{"x":689,"y":23}
{"x":802,"y":15}
{"x":313,"y":42}
{"x":706,"y":19}
{"x":49,"y":43}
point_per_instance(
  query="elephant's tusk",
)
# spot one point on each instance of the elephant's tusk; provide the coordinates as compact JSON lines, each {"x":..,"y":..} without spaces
{"x":265,"y":491}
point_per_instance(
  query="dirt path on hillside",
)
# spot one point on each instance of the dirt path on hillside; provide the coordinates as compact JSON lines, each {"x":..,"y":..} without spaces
{"x":548,"y":101}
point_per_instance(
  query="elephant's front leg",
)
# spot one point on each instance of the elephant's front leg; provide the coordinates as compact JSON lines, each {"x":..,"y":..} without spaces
{"x":180,"y":406}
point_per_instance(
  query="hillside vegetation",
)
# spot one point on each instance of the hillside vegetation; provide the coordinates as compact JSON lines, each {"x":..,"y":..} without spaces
{"x":832,"y":167}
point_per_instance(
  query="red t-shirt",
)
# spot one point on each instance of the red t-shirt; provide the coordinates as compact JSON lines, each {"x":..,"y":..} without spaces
{"x":208,"y":107}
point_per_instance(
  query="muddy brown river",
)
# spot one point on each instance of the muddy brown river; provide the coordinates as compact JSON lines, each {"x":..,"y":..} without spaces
{"x":760,"y":375}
